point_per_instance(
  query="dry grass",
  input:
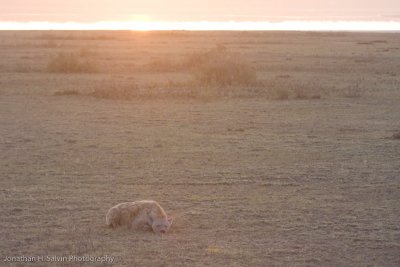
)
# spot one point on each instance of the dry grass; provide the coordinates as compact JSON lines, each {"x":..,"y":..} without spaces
{"x":70,"y":63}
{"x":50,"y":44}
{"x":353,"y":90}
{"x":118,"y":91}
{"x":281,"y":94}
{"x":114,"y":90}
{"x":217,"y":67}
{"x":68,"y":92}
{"x":250,"y":180}
{"x":220,"y":67}
{"x":24,"y":67}
{"x":162,"y":65}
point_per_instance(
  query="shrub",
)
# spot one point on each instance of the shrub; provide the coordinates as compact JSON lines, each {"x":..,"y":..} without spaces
{"x":220,"y":67}
{"x":69,"y":62}
{"x":161,"y":65}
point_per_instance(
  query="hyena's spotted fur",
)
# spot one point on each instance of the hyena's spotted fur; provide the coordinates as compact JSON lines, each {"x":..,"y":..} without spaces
{"x":137,"y":214}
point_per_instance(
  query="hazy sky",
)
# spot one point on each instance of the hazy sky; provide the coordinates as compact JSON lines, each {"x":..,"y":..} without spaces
{"x":195,"y":10}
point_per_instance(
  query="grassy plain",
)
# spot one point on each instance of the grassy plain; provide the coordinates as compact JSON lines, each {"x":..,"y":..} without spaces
{"x":298,"y":168}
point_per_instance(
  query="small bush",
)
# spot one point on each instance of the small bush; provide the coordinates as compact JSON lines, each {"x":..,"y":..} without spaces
{"x":69,"y":62}
{"x":161,"y":65}
{"x":220,"y":67}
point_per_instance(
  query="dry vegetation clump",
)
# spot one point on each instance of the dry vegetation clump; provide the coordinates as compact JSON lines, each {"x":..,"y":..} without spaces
{"x":372,"y":42}
{"x":284,"y":76}
{"x":23,"y":68}
{"x":353,"y":90}
{"x":70,"y":92}
{"x":287,"y":89}
{"x":50,"y":44}
{"x":74,"y":36}
{"x":396,"y":135}
{"x":220,"y":67}
{"x":87,"y":52}
{"x":302,"y":94}
{"x":127,"y":91}
{"x":297,"y":94}
{"x":69,"y":63}
{"x":162,"y":65}
{"x":177,"y":90}
{"x":116,"y":91}
{"x":281,"y":94}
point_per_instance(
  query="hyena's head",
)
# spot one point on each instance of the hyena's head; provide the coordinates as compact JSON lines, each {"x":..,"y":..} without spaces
{"x":161,"y":226}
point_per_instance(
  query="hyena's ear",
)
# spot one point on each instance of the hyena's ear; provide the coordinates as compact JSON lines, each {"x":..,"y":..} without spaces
{"x":170,"y":220}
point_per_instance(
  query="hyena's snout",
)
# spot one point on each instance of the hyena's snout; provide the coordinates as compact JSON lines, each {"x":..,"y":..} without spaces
{"x":162,"y":226}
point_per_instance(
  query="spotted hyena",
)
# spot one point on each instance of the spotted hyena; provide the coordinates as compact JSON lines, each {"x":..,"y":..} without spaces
{"x":137,"y":214}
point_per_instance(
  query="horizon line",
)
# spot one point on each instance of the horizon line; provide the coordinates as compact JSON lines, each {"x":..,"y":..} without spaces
{"x":285,"y":25}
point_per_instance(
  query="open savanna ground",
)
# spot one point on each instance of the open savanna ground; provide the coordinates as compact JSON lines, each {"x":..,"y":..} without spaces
{"x":296,"y":163}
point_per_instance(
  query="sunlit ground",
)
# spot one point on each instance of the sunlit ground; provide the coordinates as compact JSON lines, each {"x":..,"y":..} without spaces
{"x":205,"y":25}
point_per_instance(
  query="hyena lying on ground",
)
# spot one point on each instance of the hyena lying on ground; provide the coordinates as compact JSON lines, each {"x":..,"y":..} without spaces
{"x":139,"y":213}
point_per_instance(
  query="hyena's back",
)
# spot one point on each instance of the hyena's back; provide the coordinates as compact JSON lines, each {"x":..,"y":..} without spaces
{"x":122,"y":214}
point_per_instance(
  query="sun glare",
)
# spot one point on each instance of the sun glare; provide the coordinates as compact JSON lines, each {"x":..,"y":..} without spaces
{"x":143,"y":23}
